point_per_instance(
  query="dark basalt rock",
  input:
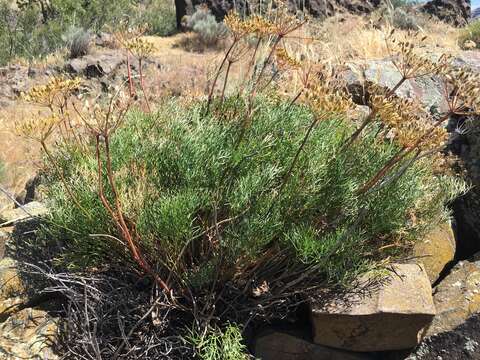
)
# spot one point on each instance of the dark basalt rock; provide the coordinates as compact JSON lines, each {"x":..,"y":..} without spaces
{"x":317,"y":8}
{"x":454,"y":12}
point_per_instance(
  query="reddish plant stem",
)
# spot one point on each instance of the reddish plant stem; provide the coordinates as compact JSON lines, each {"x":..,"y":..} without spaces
{"x":129,"y":74}
{"x":399,"y":156}
{"x":226,"y":80}
{"x":370,"y":117}
{"x":117,"y":214}
{"x":142,"y":85}
{"x":219,"y":70}
{"x":294,"y":100}
{"x":267,"y":60}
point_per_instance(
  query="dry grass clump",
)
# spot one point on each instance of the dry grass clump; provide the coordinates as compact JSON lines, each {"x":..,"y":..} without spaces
{"x":350,"y":37}
{"x":20,"y":157}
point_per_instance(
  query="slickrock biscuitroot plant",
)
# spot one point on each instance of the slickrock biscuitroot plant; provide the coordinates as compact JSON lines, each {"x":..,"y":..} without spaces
{"x":239,"y":205}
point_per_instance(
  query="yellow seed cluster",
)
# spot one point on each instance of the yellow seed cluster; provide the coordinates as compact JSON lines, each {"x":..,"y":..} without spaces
{"x":253,"y":25}
{"x":284,"y":21}
{"x":235,"y":24}
{"x":463,"y":87}
{"x":284,"y":60}
{"x":325,"y":99}
{"x":141,"y":48}
{"x":279,"y":22}
{"x":409,"y":62}
{"x":406,"y":120}
{"x":51,"y":93}
{"x":37,"y":128}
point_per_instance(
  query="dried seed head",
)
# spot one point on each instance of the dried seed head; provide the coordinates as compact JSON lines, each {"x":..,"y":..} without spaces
{"x":406,"y":120}
{"x":53,"y":93}
{"x":37,"y":128}
{"x":139,"y":47}
{"x":463,"y":89}
{"x":285,"y":61}
{"x":408,"y":60}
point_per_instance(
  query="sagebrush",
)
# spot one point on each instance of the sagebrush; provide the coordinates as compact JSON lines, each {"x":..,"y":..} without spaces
{"x":35,"y":29}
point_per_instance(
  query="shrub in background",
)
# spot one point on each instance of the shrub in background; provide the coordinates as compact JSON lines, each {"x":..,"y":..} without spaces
{"x":401,"y":3}
{"x":78,"y":42}
{"x":160,"y":17}
{"x":402,"y":19}
{"x":23,"y":35}
{"x":470,"y":36}
{"x":209,"y":32}
{"x":29,"y":32}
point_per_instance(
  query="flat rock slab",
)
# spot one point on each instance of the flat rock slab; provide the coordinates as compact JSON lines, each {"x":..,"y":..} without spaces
{"x":32,"y":209}
{"x":391,"y":316}
{"x":280,"y":345}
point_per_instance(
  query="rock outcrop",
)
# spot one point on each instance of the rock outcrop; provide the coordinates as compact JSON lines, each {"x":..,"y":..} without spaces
{"x":465,"y":144}
{"x":456,"y":298}
{"x":317,"y":8}
{"x":392,"y":316}
{"x":427,"y":90}
{"x":96,"y":65}
{"x":28,"y":334}
{"x":461,"y":343}
{"x":454,"y":12}
{"x":436,"y":250}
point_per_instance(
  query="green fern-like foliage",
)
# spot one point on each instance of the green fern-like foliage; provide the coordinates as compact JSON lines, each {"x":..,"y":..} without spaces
{"x":219,"y":344}
{"x":208,"y":205}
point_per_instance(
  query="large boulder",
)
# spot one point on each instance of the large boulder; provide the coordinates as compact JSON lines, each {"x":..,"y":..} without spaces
{"x":391,"y":316}
{"x":457,"y":297}
{"x":454,"y":12}
{"x":436,"y":250}
{"x":283,"y":345}
{"x":427,"y":90}
{"x":96,"y":65}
